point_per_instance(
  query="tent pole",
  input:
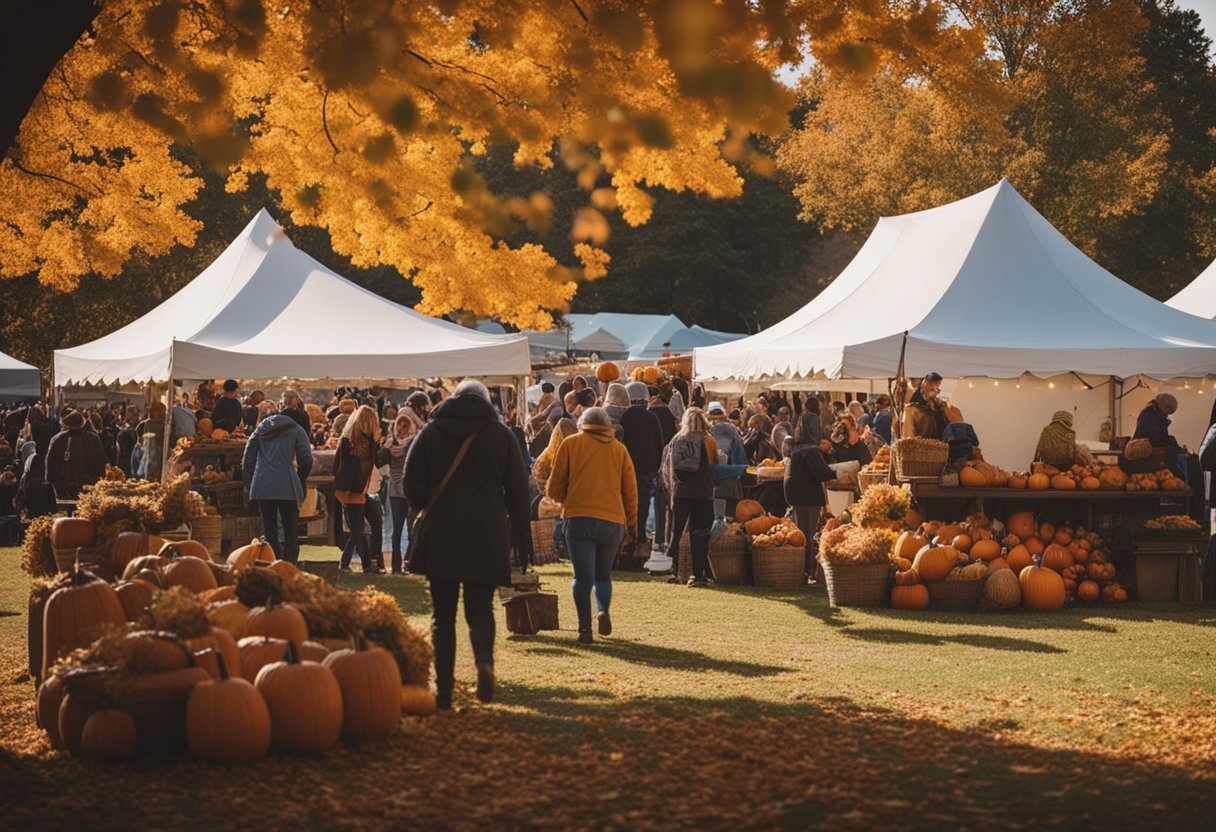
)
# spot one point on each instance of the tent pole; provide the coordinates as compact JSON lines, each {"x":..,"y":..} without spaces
{"x":1112,"y":402}
{"x":164,"y":451}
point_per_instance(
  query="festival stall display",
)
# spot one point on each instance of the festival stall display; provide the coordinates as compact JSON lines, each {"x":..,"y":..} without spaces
{"x":228,"y":661}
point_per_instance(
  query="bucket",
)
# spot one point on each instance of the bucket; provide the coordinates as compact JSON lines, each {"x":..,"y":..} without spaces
{"x":838,"y":501}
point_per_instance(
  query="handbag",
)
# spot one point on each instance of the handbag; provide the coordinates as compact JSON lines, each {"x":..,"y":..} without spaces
{"x":418,"y":525}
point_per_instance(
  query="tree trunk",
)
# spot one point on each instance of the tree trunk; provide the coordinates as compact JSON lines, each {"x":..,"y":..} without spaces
{"x":33,"y":38}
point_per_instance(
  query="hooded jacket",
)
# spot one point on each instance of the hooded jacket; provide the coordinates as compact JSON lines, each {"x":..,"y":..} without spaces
{"x":643,"y":437}
{"x":277,"y":461}
{"x":485,"y":507}
{"x":74,"y":459}
{"x":593,"y":476}
{"x":730,"y":440}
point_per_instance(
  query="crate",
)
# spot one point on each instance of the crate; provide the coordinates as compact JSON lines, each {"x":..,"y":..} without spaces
{"x":530,"y":612}
{"x":229,"y":499}
{"x":238,"y":531}
{"x":1166,"y":570}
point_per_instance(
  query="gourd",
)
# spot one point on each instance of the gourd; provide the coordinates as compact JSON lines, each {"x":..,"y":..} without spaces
{"x":109,"y":735}
{"x":933,"y":563}
{"x":910,"y":597}
{"x":74,"y":613}
{"x":1002,"y":589}
{"x":1021,"y":523}
{"x":747,"y":509}
{"x":305,"y":704}
{"x":227,"y":720}
{"x":607,"y":371}
{"x":1042,"y":589}
{"x":369,"y":680}
{"x":279,"y":621}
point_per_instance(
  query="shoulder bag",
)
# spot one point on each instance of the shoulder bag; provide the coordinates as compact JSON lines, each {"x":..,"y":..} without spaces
{"x":419,"y":525}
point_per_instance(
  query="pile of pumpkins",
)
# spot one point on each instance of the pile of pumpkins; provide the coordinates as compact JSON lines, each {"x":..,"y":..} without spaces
{"x":254,"y":683}
{"x":1095,"y":477}
{"x":765,"y":530}
{"x":1024,"y":562}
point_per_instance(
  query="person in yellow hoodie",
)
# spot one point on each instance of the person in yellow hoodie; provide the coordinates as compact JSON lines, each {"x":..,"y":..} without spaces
{"x":593,"y":479}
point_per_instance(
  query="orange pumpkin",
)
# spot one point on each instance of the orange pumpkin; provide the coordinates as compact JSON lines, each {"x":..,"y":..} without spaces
{"x":1019,"y":558}
{"x":73,"y":533}
{"x":1042,"y":589}
{"x":996,"y":564}
{"x":1047,"y":532}
{"x":1063,"y":537}
{"x":205,"y":426}
{"x":186,"y":549}
{"x":1090,"y":483}
{"x":908,"y":544}
{"x":971,"y":477}
{"x":1035,"y":546}
{"x":747,"y":510}
{"x":913,"y":519}
{"x":907,"y":577}
{"x":1087,"y":591}
{"x":962,"y":542}
{"x":947,"y":533}
{"x":933,"y":563}
{"x":1038,"y":482}
{"x":910,"y":597}
{"x":1022,"y":524}
{"x":986,"y":549}
{"x":795,"y":538}
{"x":760,"y":525}
{"x":1057,"y":557}
{"x":219,"y":434}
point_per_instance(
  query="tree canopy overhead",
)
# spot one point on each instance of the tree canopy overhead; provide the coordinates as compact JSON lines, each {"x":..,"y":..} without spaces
{"x":363,"y":115}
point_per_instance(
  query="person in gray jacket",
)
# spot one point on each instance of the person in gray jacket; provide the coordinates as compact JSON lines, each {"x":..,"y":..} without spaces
{"x":729,"y":440}
{"x":278,"y":459}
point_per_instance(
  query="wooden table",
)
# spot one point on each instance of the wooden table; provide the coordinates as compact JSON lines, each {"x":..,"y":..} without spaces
{"x":1138,"y":503}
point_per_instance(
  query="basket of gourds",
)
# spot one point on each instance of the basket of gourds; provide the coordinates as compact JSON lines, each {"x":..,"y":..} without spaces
{"x":960,"y":591}
{"x":778,"y":553}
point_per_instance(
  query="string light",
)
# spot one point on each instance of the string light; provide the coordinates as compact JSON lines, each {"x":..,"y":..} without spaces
{"x":1051,"y":385}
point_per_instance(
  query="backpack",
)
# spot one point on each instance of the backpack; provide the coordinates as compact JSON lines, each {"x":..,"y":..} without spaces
{"x":686,"y":452}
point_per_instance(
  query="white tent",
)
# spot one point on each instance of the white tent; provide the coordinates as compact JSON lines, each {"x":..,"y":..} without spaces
{"x":991,"y":296}
{"x":264,"y":310}
{"x":625,"y":336}
{"x":1199,"y":296}
{"x":19,"y":380}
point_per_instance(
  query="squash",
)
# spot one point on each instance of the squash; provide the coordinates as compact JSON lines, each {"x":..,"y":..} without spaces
{"x":1002,"y":590}
{"x":908,"y":544}
{"x":1021,"y":523}
{"x":1038,"y":482}
{"x":369,"y":680}
{"x":933,"y":563}
{"x":1061,"y":482}
{"x":747,"y":510}
{"x":1057,"y":558}
{"x":73,"y":533}
{"x":109,"y":735}
{"x":910,"y":597}
{"x":74,"y":615}
{"x":1042,"y":589}
{"x":305,"y":704}
{"x":607,"y":372}
{"x":227,"y":720}
{"x":985,"y":550}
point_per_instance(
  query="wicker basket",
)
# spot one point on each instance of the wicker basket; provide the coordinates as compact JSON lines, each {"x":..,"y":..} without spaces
{"x":918,"y":460}
{"x":954,"y":596}
{"x":65,"y":559}
{"x":857,"y":584}
{"x":728,"y":558}
{"x":866,"y":479}
{"x":208,"y":529}
{"x":783,"y":567}
{"x":544,"y":550}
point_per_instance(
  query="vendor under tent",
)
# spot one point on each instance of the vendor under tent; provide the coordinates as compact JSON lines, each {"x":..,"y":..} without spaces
{"x":985,"y":292}
{"x":19,"y":380}
{"x":1199,"y":296}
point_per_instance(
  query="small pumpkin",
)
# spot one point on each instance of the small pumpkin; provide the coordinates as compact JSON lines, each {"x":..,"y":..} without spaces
{"x":221,"y":641}
{"x":907,"y":577}
{"x":1021,"y":523}
{"x":109,"y":735}
{"x":1035,"y":546}
{"x":205,"y":426}
{"x":1057,"y":557}
{"x":1019,"y":558}
{"x":259,"y":651}
{"x":908,"y":544}
{"x":997,"y":564}
{"x":795,"y":538}
{"x":910,"y":597}
{"x":1038,"y":482}
{"x":369,"y":680}
{"x":284,"y":569}
{"x":305,"y":704}
{"x":143,"y":563}
{"x":933,"y":563}
{"x":985,"y":550}
{"x":417,"y":700}
{"x":277,"y":620}
{"x":1016,"y":481}
{"x":607,"y":372}
{"x":227,"y":720}
{"x":219,"y":434}
{"x":1042,"y":589}
{"x":1090,"y":483}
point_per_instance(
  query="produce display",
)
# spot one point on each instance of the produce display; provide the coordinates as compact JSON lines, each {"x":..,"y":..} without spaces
{"x":1173,"y":523}
{"x":227,"y":661}
{"x":1044,"y":477}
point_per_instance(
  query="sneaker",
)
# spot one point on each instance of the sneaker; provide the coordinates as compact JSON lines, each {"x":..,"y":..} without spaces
{"x":691,"y":582}
{"x":485,"y":682}
{"x":605,"y":622}
{"x":584,"y":637}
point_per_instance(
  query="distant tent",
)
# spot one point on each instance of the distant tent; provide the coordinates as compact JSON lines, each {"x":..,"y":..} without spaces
{"x":624,"y":336}
{"x":19,"y":380}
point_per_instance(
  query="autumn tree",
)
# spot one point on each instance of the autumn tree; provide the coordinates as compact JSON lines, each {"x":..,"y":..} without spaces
{"x":364,"y":115}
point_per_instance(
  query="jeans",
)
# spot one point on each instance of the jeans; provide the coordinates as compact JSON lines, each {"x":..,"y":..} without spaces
{"x":698,"y":515}
{"x":645,"y":487}
{"x":355,"y":512}
{"x":373,"y":513}
{"x":807,"y":519}
{"x":289,"y":511}
{"x":593,"y":545}
{"x":478,"y":612}
{"x":662,"y":515}
{"x":400,"y":509}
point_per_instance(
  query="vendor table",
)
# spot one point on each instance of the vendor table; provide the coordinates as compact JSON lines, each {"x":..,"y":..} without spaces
{"x":1138,"y":503}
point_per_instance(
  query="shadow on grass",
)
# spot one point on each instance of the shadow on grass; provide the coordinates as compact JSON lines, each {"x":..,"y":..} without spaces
{"x":884,"y":635}
{"x":658,"y":656}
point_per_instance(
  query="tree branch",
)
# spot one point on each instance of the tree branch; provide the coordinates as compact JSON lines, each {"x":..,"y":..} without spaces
{"x":41,"y":175}
{"x":325,"y":122}
{"x":429,"y":203}
{"x":580,"y":11}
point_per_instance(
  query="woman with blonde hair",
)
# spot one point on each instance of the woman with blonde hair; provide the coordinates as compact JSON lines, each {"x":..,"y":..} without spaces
{"x":353,"y":466}
{"x":398,"y":442}
{"x":690,"y":487}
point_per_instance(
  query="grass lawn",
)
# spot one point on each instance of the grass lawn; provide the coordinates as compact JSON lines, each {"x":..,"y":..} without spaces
{"x":722,"y":708}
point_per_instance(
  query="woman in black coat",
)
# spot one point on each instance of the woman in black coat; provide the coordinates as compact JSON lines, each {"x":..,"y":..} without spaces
{"x":805,"y":473}
{"x":469,"y":531}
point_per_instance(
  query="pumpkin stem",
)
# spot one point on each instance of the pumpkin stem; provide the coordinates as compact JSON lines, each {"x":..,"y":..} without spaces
{"x":219,"y":659}
{"x":360,"y":642}
{"x":291,"y":656}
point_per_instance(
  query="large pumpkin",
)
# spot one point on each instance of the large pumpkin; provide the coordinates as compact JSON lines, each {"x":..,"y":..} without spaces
{"x":1057,"y":557}
{"x":74,"y":615}
{"x":72,"y":533}
{"x":1002,"y":589}
{"x":1042,"y":589}
{"x":278,"y":621}
{"x":370,"y":683}
{"x":607,"y":372}
{"x":746,"y":510}
{"x":227,"y":720}
{"x":933,"y":563}
{"x":246,"y":556}
{"x":1022,"y":524}
{"x":305,"y":704}
{"x":109,"y":735}
{"x":910,"y":597}
{"x":191,"y":572}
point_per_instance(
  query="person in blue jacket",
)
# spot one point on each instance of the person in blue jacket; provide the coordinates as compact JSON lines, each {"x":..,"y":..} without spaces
{"x":278,"y":459}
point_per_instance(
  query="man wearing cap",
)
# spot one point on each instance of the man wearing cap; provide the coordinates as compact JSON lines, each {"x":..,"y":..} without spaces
{"x":75,"y":458}
{"x":726,"y":435}
{"x":643,"y":438}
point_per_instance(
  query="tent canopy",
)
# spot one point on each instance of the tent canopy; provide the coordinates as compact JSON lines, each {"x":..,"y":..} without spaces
{"x":19,"y":380}
{"x":1199,"y":296}
{"x":621,"y":335}
{"x":984,"y":286}
{"x":265,"y":309}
